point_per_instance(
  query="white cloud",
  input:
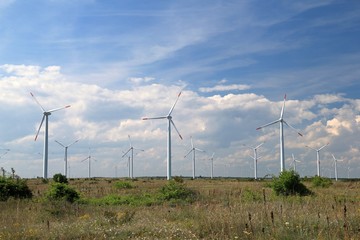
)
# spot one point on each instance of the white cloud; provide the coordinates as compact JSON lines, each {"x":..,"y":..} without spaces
{"x":223,"y":88}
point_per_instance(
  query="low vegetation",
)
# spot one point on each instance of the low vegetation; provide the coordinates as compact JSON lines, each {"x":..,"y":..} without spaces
{"x":13,"y":188}
{"x":183,"y":209}
{"x":289,"y":183}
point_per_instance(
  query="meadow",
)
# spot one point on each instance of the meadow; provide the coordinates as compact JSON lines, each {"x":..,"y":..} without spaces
{"x":219,"y":209}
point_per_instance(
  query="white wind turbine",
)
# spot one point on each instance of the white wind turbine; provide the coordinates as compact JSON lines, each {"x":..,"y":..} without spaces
{"x":89,"y":163}
{"x":212,"y":165}
{"x":193,"y":150}
{"x":131,"y":161}
{"x":335,"y":163}
{"x":318,"y":157}
{"x":45,"y":117}
{"x":170,"y":122}
{"x":127,"y":163}
{"x":65,"y":157}
{"x":255,"y":157}
{"x":281,"y":121}
{"x":294,"y":161}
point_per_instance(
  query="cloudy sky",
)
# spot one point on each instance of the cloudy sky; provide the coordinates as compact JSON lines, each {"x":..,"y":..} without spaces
{"x":115,"y":62}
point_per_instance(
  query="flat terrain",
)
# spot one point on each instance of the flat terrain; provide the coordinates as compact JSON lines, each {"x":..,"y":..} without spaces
{"x":223,"y":209}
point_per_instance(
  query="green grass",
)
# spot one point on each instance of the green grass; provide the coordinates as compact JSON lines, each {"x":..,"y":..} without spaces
{"x":221,"y":209}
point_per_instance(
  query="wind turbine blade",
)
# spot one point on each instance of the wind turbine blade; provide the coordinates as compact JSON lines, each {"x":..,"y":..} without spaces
{"x":126,"y":152}
{"x":268,"y":124}
{"x":259,"y":145}
{"x":283,"y":108}
{"x":323,"y":146}
{"x":192,"y":144}
{"x":130,"y":141}
{"x":73,"y":143}
{"x":293,"y":128}
{"x":150,"y":118}
{"x":37,"y":102}
{"x":176,"y":128}
{"x":138,"y":149}
{"x":59,"y":143}
{"x":85,"y":159}
{"x":212,"y":156}
{"x":57,"y":109}
{"x":172,"y":108}
{"x":200,"y":150}
{"x":188,"y":153}
{"x":37,"y":133}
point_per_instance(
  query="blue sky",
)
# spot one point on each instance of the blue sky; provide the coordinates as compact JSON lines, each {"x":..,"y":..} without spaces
{"x":118,"y":61}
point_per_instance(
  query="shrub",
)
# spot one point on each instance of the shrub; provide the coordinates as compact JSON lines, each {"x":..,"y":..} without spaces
{"x":289,"y":183}
{"x":13,"y":188}
{"x":123,"y":185}
{"x":59,"y":178}
{"x":321,"y":182}
{"x":176,"y":191}
{"x":61,"y":191}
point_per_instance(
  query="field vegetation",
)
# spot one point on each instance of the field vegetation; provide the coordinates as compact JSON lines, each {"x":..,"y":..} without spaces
{"x":153,"y":208}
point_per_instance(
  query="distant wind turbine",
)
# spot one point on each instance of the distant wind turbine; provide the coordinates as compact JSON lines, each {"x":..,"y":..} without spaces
{"x":131,"y":162}
{"x":318,"y":157}
{"x":45,"y":117}
{"x":212,"y":165}
{"x":170,"y":122}
{"x":294,"y":161}
{"x":89,"y":163}
{"x":255,"y":157}
{"x":65,"y":157}
{"x":193,"y":150}
{"x":281,"y":121}
{"x":335,"y":163}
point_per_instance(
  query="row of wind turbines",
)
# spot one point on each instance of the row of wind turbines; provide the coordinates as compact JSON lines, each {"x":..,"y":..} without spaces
{"x":170,"y":124}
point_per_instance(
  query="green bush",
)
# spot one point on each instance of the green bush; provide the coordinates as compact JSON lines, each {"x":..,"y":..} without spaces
{"x":176,"y":191}
{"x":59,"y":178}
{"x":15,"y":188}
{"x":288,"y":183}
{"x":321,"y":182}
{"x":123,"y":185}
{"x":61,"y":191}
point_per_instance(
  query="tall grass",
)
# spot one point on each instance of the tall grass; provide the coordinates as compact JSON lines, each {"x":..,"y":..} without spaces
{"x":223,"y":209}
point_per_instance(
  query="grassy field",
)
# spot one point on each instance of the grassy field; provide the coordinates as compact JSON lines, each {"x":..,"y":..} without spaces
{"x":222,"y":209}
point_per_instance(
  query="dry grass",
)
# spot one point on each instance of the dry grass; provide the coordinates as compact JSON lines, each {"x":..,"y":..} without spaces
{"x":226,"y":209}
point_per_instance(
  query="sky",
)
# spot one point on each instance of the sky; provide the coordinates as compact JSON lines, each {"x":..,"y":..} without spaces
{"x":115,"y":62}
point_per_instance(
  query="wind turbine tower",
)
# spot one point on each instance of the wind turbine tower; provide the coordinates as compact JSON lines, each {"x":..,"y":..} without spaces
{"x":131,"y":161}
{"x":212,"y":165}
{"x":335,"y":163}
{"x":255,"y":158}
{"x":45,"y":117}
{"x":281,"y":121}
{"x":193,"y":150}
{"x":170,"y":122}
{"x":294,"y":161}
{"x":89,"y":163}
{"x":65,"y":157}
{"x":318,"y":157}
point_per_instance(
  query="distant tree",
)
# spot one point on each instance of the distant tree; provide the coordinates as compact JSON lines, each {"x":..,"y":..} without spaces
{"x":10,"y":187}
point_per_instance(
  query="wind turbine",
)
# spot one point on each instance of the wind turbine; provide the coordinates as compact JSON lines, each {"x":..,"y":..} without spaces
{"x":281,"y":121}
{"x":65,"y":158}
{"x":193,"y":150}
{"x":335,"y":163}
{"x":89,"y":166}
{"x":45,"y":117}
{"x":131,"y":162}
{"x":318,"y":157}
{"x":212,"y":165}
{"x":255,"y":157}
{"x":294,"y":161}
{"x":170,"y":122}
